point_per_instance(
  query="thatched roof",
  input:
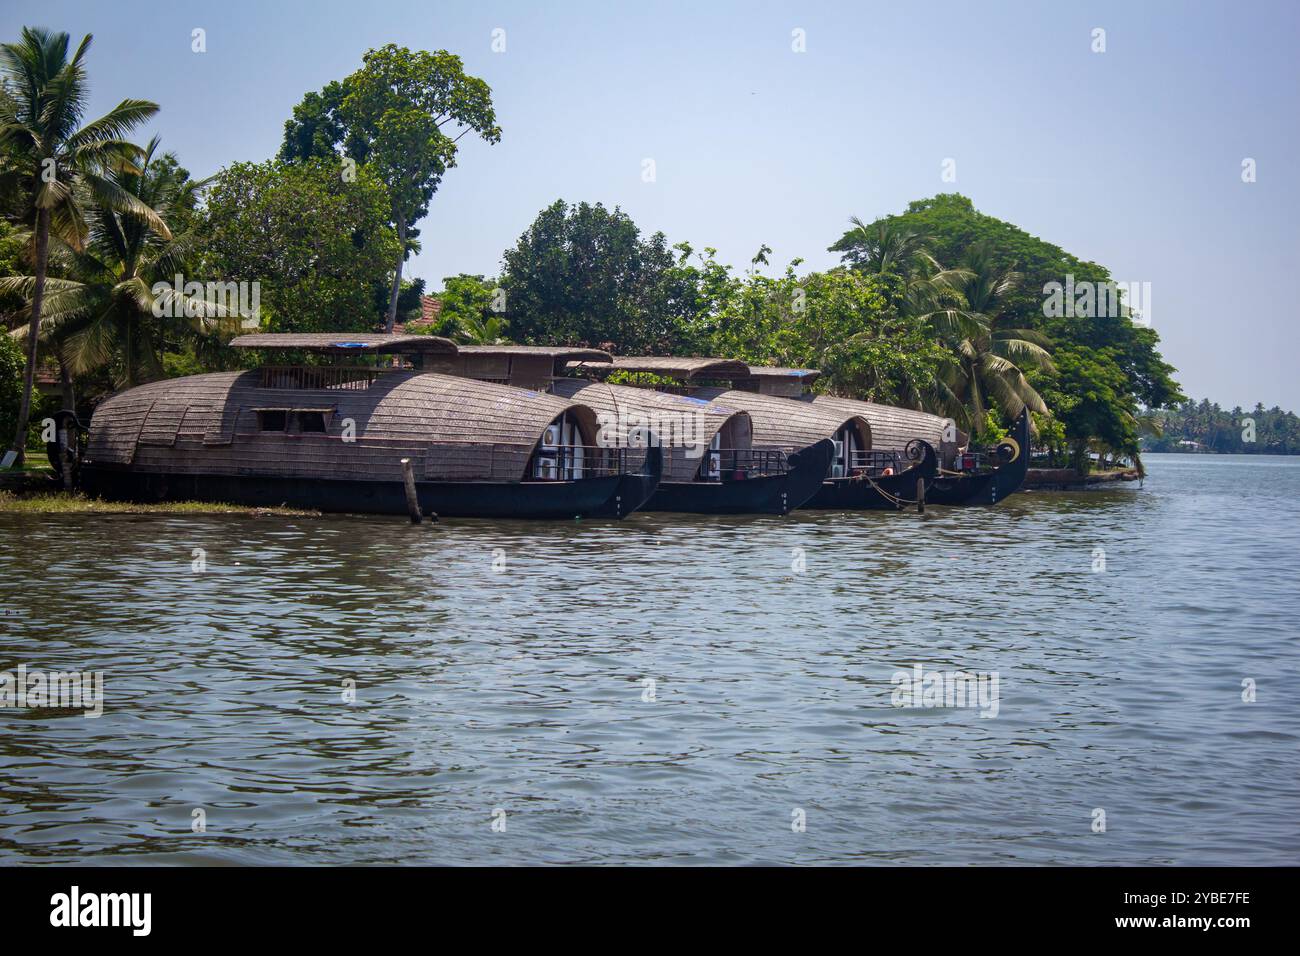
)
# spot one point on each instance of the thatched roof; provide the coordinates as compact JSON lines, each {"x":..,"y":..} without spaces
{"x":785,"y":424}
{"x":452,"y":428}
{"x":663,"y":411}
{"x":684,"y":368}
{"x":347,"y":342}
{"x":891,"y":428}
{"x":526,"y":366}
{"x":558,"y":353}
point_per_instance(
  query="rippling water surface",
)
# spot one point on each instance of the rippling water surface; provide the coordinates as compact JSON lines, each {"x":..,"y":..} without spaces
{"x":522,"y":689}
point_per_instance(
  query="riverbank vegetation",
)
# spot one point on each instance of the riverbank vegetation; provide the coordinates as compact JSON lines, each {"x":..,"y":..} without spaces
{"x":1205,"y":427}
{"x":937,"y":307}
{"x":48,"y":502}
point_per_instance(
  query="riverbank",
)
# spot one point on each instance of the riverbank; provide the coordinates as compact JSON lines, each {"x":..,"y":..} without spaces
{"x":1070,"y":480}
{"x":49,"y":502}
{"x":1067,"y":479}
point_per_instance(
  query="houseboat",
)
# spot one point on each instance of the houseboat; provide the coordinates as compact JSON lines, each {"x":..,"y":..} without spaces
{"x":333,"y":437}
{"x":857,"y":477}
{"x":709,"y":463}
{"x":964,"y":477}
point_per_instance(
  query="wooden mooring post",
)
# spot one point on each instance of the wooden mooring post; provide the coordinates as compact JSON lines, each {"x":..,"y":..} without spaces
{"x":920,"y":496}
{"x":412,"y":501}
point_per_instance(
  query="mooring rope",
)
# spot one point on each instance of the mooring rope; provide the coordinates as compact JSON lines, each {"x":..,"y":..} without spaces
{"x":885,"y":494}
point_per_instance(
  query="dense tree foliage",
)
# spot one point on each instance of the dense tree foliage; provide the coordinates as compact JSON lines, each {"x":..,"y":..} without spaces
{"x":472,"y":311}
{"x":99,"y":310}
{"x":53,"y":163}
{"x":1098,"y":370}
{"x":391,"y":116}
{"x":1260,"y":431}
{"x":313,"y":241}
{"x":585,"y":275}
{"x":12,"y":361}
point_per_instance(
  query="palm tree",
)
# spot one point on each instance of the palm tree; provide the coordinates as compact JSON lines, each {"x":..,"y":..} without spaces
{"x":107,"y":308}
{"x":480,"y":330}
{"x":884,"y":248}
{"x":50,"y":157}
{"x":987,"y":362}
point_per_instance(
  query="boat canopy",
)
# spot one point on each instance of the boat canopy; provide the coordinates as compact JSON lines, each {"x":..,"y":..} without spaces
{"x":783,"y":382}
{"x":234,"y":423}
{"x":892,"y":428}
{"x":527,"y":366}
{"x":348,"y":343}
{"x":685,"y":427}
{"x":786,"y":424}
{"x":682,"y":368}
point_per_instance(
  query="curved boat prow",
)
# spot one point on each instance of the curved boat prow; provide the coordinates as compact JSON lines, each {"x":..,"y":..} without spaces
{"x":989,"y":487}
{"x":927,"y":460}
{"x":1015,"y":464}
{"x":634,"y":490}
{"x":808,"y":468}
{"x":880,"y":492}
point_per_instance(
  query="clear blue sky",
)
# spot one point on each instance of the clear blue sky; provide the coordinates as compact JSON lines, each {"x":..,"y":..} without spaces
{"x":1131,"y":157}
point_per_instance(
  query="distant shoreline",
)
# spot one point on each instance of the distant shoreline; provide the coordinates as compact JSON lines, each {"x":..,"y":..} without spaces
{"x":1226,"y":454}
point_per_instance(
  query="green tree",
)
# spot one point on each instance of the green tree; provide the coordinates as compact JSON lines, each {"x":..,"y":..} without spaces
{"x":952,"y":228}
{"x":1088,"y":396}
{"x":315,"y":243}
{"x":391,"y":114}
{"x":840,"y":322}
{"x":56,"y":164}
{"x":987,"y":362}
{"x":103,"y":314}
{"x":468,"y":314}
{"x":11,"y":381}
{"x":585,"y":274}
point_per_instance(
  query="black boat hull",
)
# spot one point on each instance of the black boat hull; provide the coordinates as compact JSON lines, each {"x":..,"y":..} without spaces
{"x":614,"y":496}
{"x":772,"y":494}
{"x":885,"y":493}
{"x":990,"y":487}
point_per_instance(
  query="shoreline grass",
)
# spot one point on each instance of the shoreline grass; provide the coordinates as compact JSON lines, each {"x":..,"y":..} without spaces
{"x":50,"y":503}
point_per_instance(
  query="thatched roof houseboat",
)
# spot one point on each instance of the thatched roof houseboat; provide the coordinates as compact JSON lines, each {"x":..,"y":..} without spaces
{"x":711,"y":465}
{"x":963,"y":478}
{"x":857,"y":476}
{"x":891,"y":428}
{"x":333,"y":437}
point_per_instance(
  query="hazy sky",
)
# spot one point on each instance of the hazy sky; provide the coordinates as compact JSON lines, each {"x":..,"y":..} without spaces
{"x":1131,"y":157}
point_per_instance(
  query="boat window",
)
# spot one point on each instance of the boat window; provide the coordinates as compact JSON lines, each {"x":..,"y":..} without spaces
{"x":311,"y":421}
{"x":272,"y":420}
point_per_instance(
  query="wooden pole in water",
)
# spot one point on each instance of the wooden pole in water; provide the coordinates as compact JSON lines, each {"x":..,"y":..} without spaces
{"x":65,"y":468}
{"x":920,"y":496}
{"x":412,"y":502}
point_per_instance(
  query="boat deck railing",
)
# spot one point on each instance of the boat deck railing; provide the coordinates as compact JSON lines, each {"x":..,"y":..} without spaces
{"x":874,"y":462}
{"x":568,"y":462}
{"x":320,"y":376}
{"x":735,"y":464}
